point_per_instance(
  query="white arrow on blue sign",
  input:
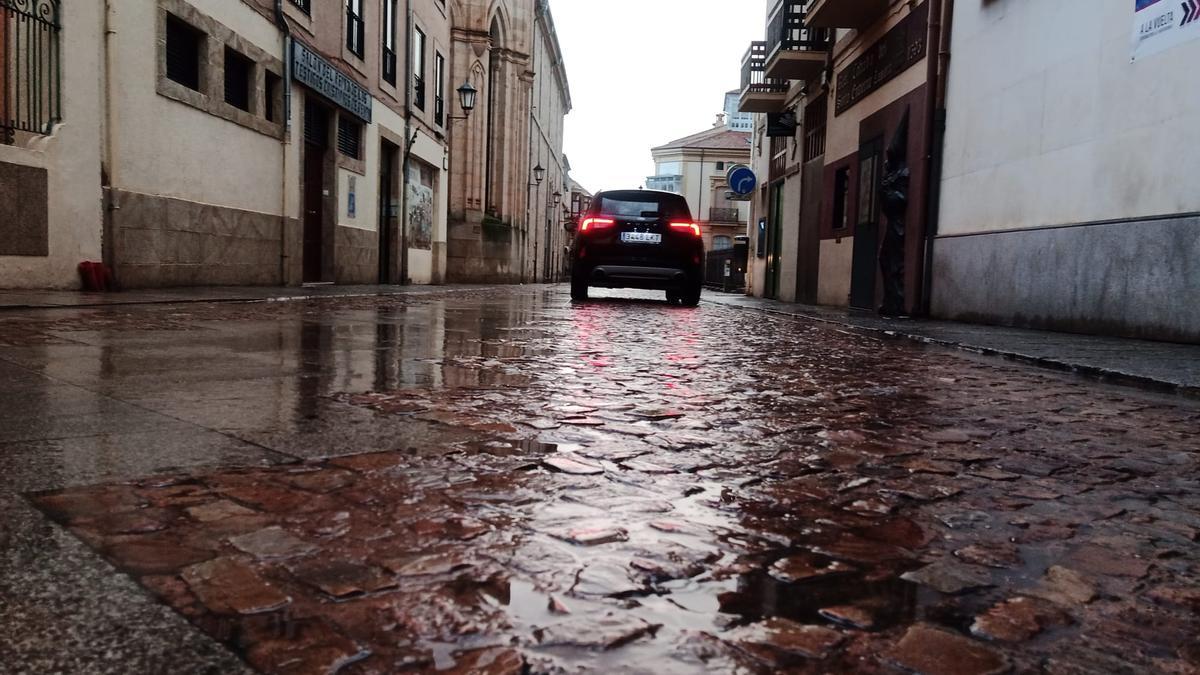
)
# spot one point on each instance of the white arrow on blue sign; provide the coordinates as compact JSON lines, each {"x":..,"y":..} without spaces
{"x":742,"y":180}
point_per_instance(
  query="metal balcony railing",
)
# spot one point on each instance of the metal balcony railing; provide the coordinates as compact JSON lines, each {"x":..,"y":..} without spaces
{"x":786,"y":30}
{"x":754,"y":72}
{"x":724,"y":215}
{"x":30,"y":80}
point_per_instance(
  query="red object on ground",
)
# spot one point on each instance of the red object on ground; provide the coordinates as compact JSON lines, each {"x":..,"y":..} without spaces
{"x":95,"y":277}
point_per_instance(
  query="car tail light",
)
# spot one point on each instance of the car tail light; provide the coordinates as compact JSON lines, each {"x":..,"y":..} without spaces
{"x":687,"y":227}
{"x":590,"y":224}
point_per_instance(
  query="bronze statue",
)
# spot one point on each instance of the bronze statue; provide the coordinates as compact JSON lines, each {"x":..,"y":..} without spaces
{"x":894,"y":203}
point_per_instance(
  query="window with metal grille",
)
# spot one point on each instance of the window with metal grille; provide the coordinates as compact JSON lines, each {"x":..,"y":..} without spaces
{"x":355,"y":28}
{"x":389,"y":42}
{"x":304,"y":5}
{"x":439,"y":96}
{"x":271,"y":96}
{"x":418,"y":68}
{"x":183,"y":52}
{"x":30,"y":72}
{"x":239,"y":75}
{"x":815,"y":115}
{"x":349,"y":137}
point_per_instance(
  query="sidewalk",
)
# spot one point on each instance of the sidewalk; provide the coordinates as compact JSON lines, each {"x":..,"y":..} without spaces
{"x":1164,"y":366}
{"x":21,"y":299}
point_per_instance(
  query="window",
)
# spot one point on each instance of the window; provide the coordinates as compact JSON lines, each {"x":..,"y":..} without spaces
{"x":389,"y":41}
{"x":183,"y":53}
{"x":720,"y":166}
{"x":304,"y":5}
{"x":239,"y":74}
{"x":841,"y":199}
{"x":271,"y":103}
{"x":355,"y":28}
{"x":349,"y":137}
{"x":867,"y":183}
{"x":439,"y":95}
{"x":418,"y":68}
{"x":815,"y":115}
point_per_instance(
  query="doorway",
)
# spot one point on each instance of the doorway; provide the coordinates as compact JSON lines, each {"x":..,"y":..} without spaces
{"x":865,"y":264}
{"x":316,"y":147}
{"x":387,"y":210}
{"x":774,"y":242}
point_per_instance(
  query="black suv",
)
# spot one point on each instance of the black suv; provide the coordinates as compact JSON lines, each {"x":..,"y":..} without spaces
{"x":638,"y":239}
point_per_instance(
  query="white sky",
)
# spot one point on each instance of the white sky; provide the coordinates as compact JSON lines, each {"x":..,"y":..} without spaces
{"x":645,"y":72}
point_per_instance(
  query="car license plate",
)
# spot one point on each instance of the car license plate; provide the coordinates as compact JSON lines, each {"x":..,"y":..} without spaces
{"x":641,"y":237}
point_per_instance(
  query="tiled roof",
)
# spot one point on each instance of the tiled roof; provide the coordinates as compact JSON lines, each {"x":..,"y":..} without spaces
{"x":717,"y":138}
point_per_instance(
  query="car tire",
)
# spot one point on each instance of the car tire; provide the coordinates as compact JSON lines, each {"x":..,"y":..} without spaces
{"x":579,"y":290}
{"x":673,"y":297}
{"x":691,"y":297}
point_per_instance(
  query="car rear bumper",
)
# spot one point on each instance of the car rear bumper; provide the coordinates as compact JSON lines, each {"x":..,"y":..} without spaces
{"x":633,"y":276}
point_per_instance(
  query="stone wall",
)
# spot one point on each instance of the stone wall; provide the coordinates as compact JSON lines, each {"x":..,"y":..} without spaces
{"x":1130,"y":278}
{"x":356,"y":256}
{"x":160,"y":242}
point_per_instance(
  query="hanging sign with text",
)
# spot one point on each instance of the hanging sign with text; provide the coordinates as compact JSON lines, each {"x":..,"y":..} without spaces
{"x":902,"y":48}
{"x":322,"y":77}
{"x":1159,"y":25}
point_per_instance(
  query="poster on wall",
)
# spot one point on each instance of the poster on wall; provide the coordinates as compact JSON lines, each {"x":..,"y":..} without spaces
{"x":420,"y":206}
{"x":1161,"y":24}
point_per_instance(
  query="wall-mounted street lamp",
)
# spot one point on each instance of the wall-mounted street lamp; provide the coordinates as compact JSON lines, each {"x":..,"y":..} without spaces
{"x":557,"y":198}
{"x":539,"y":173}
{"x":468,"y":95}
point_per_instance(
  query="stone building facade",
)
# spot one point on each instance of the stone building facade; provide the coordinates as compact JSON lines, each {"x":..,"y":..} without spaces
{"x":504,"y":222}
{"x":267,"y":142}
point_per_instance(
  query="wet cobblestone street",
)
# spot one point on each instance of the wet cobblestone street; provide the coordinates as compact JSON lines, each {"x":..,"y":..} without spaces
{"x":501,"y":481}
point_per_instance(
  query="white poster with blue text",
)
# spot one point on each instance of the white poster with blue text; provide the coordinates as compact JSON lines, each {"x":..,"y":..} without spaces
{"x":1161,"y":24}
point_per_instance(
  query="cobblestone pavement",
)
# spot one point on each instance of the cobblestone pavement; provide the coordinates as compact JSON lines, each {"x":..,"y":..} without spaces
{"x":500,"y":481}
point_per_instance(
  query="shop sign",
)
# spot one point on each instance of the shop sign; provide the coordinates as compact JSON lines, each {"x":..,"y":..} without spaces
{"x":902,"y":47}
{"x":1159,"y":25}
{"x":322,"y":77}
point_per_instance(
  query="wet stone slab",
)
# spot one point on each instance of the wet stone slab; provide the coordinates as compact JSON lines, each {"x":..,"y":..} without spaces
{"x":501,"y":481}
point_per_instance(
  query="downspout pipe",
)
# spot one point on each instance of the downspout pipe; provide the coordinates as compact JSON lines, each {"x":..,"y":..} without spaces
{"x":941,"y":18}
{"x":108,"y":250}
{"x":286,"y":30}
{"x":410,"y":137}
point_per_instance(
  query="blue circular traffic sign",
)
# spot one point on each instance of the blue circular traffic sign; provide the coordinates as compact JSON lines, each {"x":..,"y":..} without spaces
{"x":742,"y":180}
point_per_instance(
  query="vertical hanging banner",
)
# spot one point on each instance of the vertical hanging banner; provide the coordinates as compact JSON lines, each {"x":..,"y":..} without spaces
{"x":1161,"y":24}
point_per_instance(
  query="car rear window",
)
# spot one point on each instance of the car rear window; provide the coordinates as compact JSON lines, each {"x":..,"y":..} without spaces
{"x":627,"y":207}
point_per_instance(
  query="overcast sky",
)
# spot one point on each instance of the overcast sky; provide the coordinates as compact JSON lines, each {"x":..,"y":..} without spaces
{"x":645,"y":72}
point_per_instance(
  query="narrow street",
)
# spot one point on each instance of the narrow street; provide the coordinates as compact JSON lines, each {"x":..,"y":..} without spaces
{"x":500,"y":481}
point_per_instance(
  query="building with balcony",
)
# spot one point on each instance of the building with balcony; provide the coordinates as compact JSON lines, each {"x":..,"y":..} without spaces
{"x":839,"y":82}
{"x":789,"y":141}
{"x":695,"y":167}
{"x":255,"y":142}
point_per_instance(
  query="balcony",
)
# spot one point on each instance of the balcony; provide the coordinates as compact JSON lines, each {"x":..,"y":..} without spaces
{"x":724,"y":215}
{"x":760,"y":94}
{"x":857,"y":14}
{"x":794,"y":51}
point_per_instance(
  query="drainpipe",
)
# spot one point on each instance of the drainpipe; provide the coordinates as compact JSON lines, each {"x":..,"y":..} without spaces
{"x":941,"y":17}
{"x":108,"y":230}
{"x":410,"y":137}
{"x":286,"y":29}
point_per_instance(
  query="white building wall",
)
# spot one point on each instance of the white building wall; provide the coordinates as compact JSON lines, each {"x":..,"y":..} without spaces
{"x":71,"y":157}
{"x":1049,"y":122}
